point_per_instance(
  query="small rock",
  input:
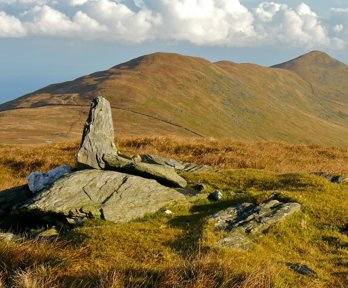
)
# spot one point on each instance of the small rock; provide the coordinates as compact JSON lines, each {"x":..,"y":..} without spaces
{"x":168,"y":212}
{"x":215,"y":196}
{"x":302,"y":269}
{"x":199,"y":187}
{"x":38,"y":181}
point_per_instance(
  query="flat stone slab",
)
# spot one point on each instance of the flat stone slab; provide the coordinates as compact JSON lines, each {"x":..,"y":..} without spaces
{"x":179,"y":166}
{"x":108,"y":195}
{"x":164,"y":174}
{"x":247,"y":221}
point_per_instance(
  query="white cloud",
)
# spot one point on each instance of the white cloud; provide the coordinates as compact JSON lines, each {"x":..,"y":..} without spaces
{"x":122,"y":22}
{"x":202,"y":22}
{"x":10,"y":26}
{"x":298,"y":26}
{"x":77,"y":2}
{"x":267,"y":10}
{"x":224,"y":22}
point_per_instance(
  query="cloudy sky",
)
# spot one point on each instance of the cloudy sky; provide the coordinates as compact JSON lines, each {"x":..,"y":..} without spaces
{"x":49,"y":41}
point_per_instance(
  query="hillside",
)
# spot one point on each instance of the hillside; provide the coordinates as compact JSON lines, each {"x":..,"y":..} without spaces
{"x":181,"y":249}
{"x":171,"y":94}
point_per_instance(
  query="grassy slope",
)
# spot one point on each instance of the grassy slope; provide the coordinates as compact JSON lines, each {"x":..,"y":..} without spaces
{"x":163,"y":94}
{"x":180,"y":250}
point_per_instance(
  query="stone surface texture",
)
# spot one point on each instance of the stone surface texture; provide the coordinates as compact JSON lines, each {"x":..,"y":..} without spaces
{"x":38,"y":181}
{"x":108,"y":195}
{"x":247,"y":221}
{"x":98,"y":135}
{"x":180,"y":167}
{"x":164,"y":174}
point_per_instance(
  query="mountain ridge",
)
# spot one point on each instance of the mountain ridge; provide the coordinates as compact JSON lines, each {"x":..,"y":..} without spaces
{"x":172,"y":94}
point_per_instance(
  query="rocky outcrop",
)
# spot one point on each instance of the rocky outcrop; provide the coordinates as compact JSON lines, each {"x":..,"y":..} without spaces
{"x":112,"y":185}
{"x":98,"y":135}
{"x":246,"y":221}
{"x":98,"y":150}
{"x":108,"y":195}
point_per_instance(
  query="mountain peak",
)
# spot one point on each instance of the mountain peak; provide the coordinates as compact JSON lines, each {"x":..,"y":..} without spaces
{"x":313,"y":58}
{"x":159,"y":57}
{"x":322,"y":70}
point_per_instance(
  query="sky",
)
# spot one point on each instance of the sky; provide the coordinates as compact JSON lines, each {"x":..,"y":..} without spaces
{"x":50,"y":41}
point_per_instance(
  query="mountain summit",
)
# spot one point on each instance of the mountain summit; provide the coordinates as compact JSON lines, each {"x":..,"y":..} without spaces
{"x":300,"y":101}
{"x":320,"y":69}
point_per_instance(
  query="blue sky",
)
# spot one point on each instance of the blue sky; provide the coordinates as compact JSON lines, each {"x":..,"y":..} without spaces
{"x":49,"y":41}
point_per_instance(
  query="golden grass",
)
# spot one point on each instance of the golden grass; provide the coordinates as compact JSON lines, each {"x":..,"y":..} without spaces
{"x":180,"y":250}
{"x":18,"y":161}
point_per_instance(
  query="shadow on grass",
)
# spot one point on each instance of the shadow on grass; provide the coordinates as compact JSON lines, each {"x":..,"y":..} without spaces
{"x":188,"y":245}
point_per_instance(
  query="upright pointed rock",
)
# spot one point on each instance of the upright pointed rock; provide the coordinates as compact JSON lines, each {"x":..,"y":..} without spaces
{"x":98,"y":135}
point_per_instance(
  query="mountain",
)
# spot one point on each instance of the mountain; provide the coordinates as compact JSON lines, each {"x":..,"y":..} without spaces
{"x":300,"y":101}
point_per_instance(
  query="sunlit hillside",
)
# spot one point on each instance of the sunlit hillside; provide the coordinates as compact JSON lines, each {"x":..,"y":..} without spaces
{"x":170,"y":94}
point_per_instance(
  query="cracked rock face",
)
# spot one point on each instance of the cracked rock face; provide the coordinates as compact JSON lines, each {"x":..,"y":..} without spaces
{"x":108,"y":195}
{"x":247,"y":221}
{"x":164,"y":174}
{"x":98,"y":135}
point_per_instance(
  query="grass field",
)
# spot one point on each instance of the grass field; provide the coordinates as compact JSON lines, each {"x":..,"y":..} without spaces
{"x":180,"y":250}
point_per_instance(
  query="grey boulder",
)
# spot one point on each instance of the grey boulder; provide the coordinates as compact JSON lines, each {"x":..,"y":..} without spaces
{"x":108,"y":195}
{"x":98,"y":135}
{"x":247,"y":221}
{"x":164,"y":174}
{"x":215,"y":196}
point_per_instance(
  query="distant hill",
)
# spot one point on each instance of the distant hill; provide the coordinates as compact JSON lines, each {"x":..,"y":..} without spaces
{"x":300,"y":101}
